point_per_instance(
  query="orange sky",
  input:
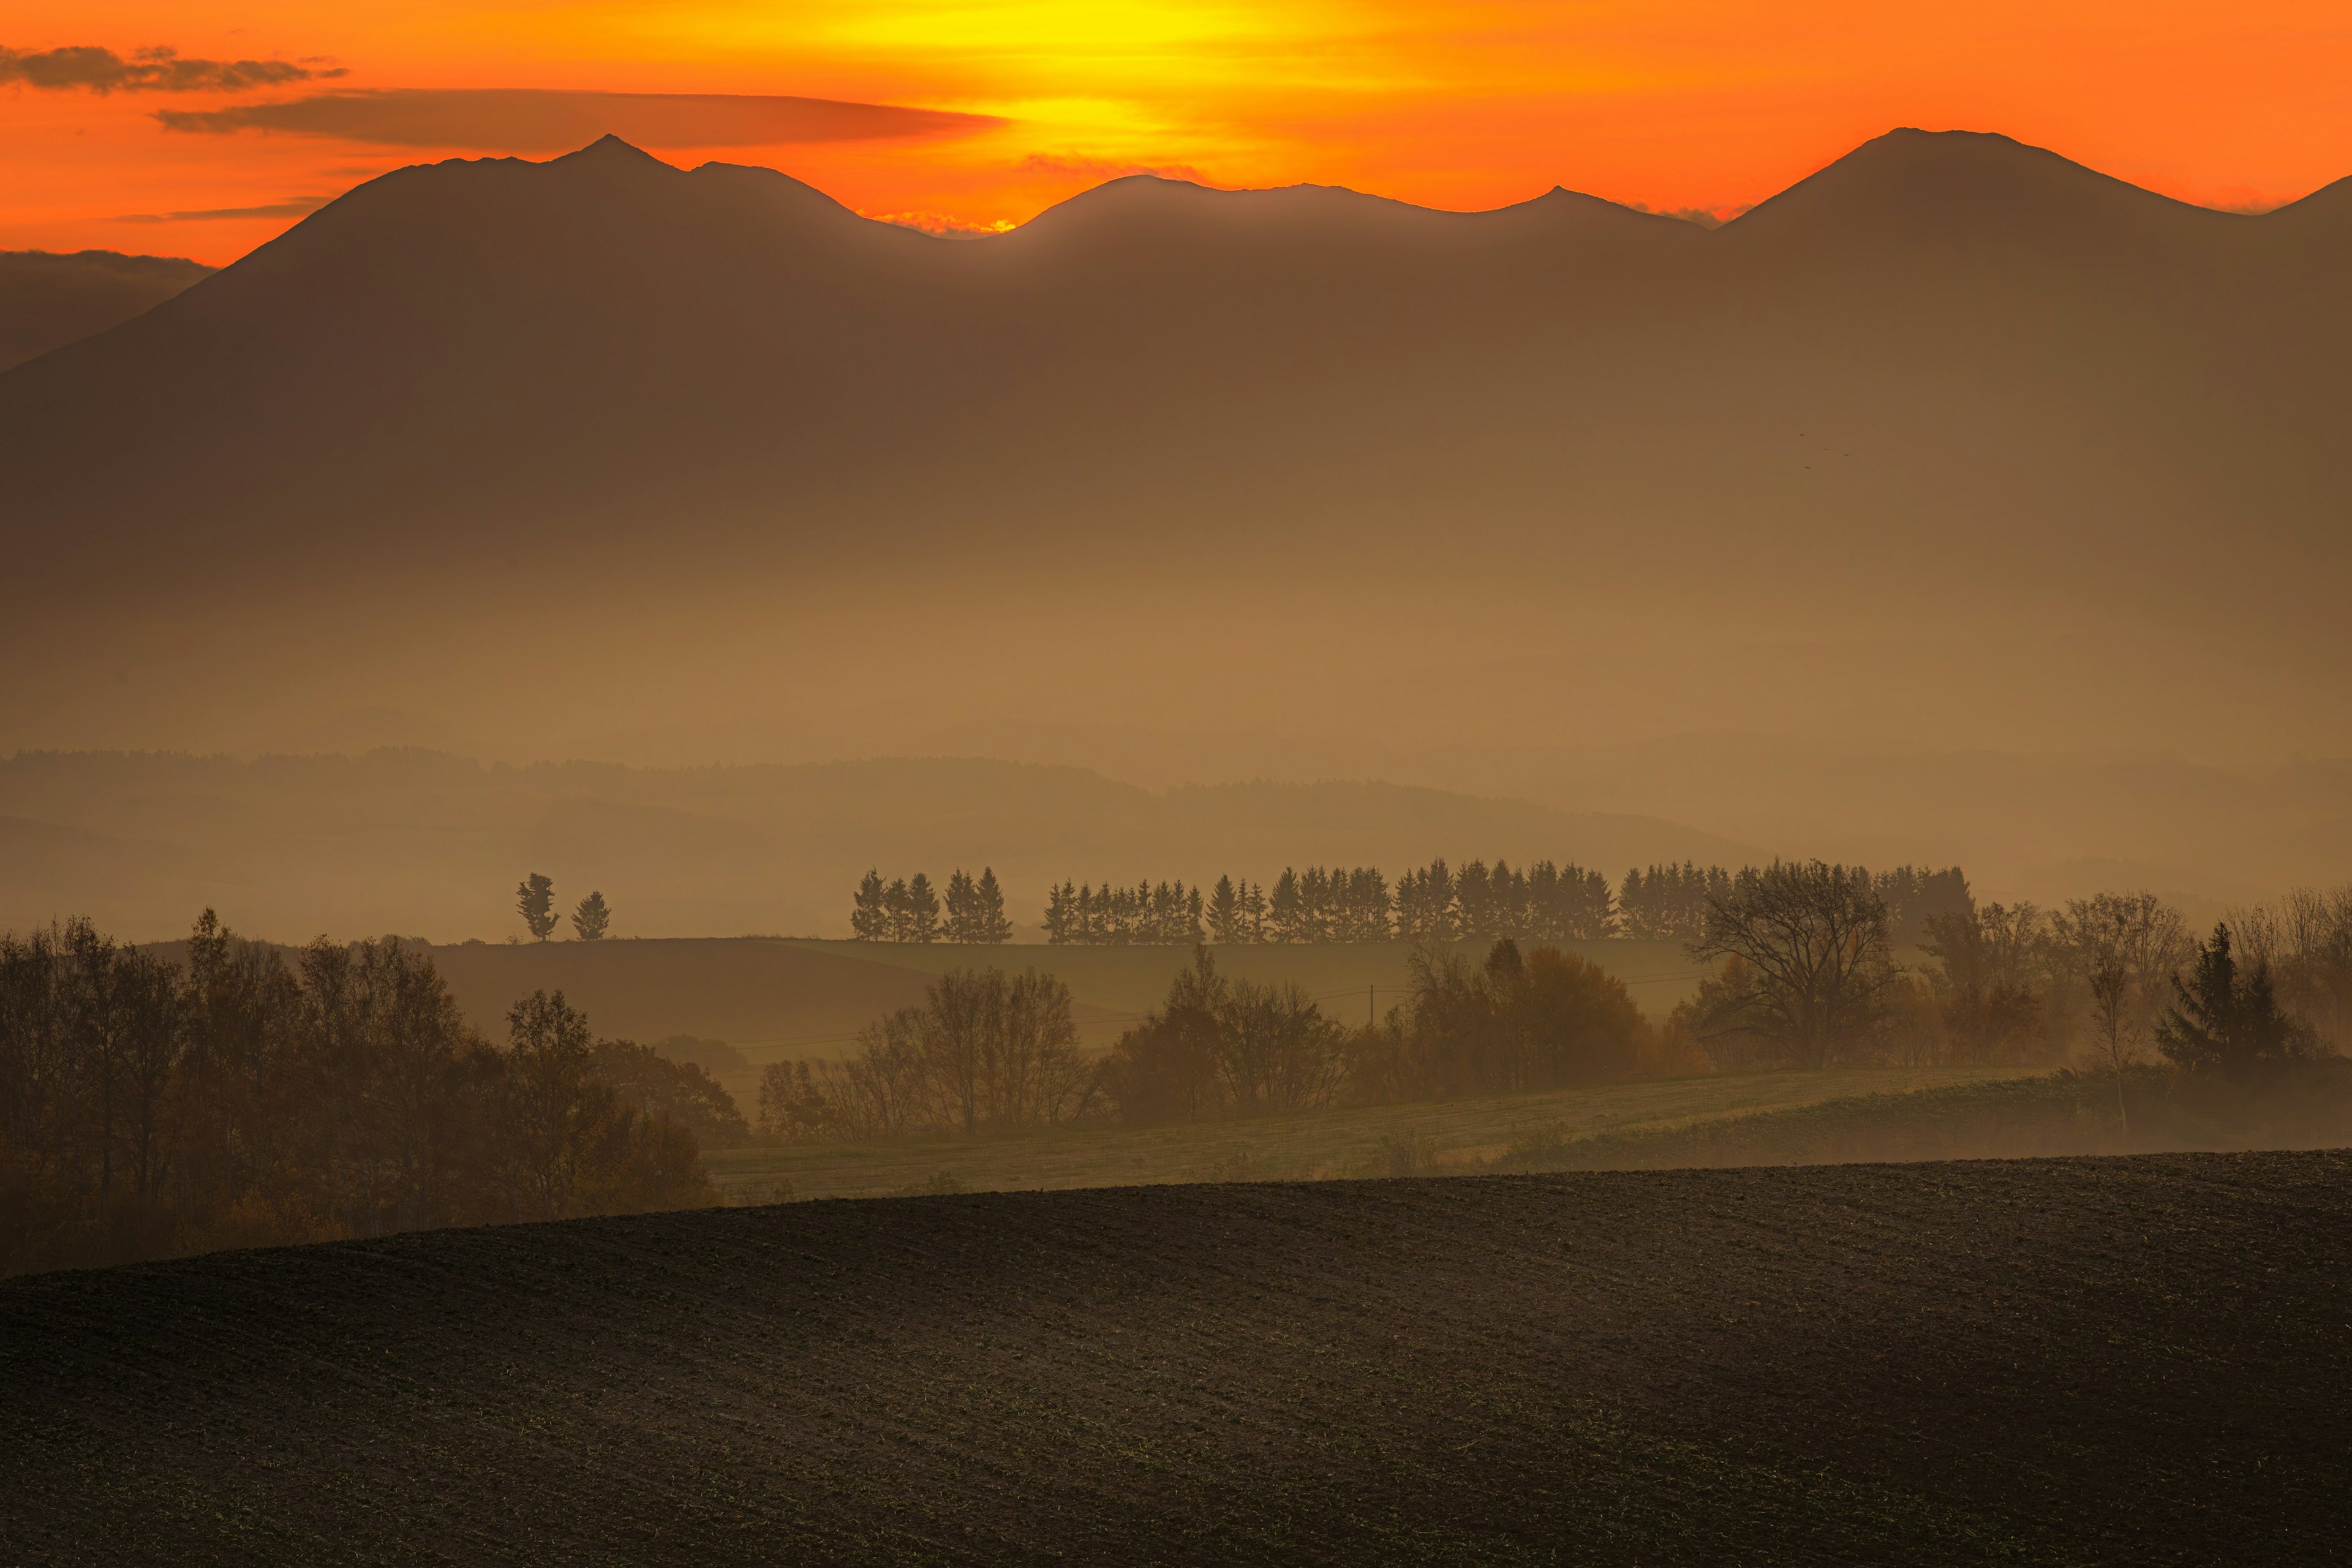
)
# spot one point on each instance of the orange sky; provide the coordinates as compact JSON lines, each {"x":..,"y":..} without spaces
{"x":1673,"y":103}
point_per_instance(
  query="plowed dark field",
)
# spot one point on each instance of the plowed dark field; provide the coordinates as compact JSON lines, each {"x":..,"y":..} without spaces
{"x":2141,"y":1360}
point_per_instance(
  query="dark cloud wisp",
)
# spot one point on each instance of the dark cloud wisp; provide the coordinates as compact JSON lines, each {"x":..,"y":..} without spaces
{"x":146,"y":70}
{"x":292,"y":206}
{"x":533,"y":119}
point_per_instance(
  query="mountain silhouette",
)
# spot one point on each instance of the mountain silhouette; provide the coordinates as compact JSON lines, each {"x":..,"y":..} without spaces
{"x":2064,"y":457}
{"x":48,"y":300}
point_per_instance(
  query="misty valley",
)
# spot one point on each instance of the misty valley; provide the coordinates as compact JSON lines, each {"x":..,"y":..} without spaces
{"x":696,"y":873}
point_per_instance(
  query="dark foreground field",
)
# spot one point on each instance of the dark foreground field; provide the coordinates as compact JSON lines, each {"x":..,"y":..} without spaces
{"x":2097,"y":1361}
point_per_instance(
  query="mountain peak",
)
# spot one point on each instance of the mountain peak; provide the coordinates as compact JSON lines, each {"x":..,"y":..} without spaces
{"x":1961,"y":188}
{"x":609,"y":149}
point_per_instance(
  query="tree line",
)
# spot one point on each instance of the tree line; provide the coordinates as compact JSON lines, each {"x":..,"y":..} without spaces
{"x":1515,"y":1024}
{"x":989,"y":1051}
{"x":1538,"y":902}
{"x":910,"y":909}
{"x":1805,"y":975}
{"x":150,"y":1108}
{"x":1808,"y":978}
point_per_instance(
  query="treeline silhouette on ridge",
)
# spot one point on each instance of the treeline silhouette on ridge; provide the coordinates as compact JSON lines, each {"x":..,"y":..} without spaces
{"x":1536,"y":902}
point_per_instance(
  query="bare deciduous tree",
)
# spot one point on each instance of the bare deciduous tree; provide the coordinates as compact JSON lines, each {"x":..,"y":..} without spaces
{"x":2126,"y":947}
{"x":1813,"y":938}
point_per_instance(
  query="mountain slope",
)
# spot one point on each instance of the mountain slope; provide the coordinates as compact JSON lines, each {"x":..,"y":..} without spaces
{"x":1944,"y":417}
{"x":48,"y":300}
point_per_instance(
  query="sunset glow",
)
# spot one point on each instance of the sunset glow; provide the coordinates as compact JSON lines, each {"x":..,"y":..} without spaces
{"x":1681,"y":104}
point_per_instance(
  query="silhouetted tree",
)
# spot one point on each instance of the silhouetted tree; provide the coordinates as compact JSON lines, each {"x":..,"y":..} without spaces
{"x":1254,"y":911}
{"x":1166,"y":1069}
{"x":1989,"y":961}
{"x":1813,"y":938}
{"x":869,"y":910}
{"x":555,"y":1112}
{"x":592,"y":917}
{"x":2126,"y":948}
{"x":1062,"y":917}
{"x":957,"y":925}
{"x":647,"y":1083}
{"x":2305,"y":939}
{"x":2226,"y":1020}
{"x":1225,"y":913}
{"x":535,"y":901}
{"x":922,"y":909}
{"x":1424,"y":904}
{"x":1216,"y":1048}
{"x":992,"y":927}
{"x":1285,"y":911}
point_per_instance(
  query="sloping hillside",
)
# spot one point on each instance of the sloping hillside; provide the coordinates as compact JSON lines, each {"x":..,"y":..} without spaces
{"x":49,"y":299}
{"x":2136,"y":1360}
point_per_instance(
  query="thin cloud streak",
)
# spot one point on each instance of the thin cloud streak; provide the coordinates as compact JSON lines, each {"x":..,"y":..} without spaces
{"x":535,"y":120}
{"x":292,"y":206}
{"x":87,"y":68}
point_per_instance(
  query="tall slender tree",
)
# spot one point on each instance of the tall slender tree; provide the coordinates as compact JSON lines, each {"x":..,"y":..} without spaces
{"x":961,"y":921}
{"x":922,"y":911}
{"x":869,"y":912}
{"x":990,"y":924}
{"x":1225,"y":913}
{"x":535,"y":901}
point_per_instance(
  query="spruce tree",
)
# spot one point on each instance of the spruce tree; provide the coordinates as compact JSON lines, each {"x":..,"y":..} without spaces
{"x":990,"y":925}
{"x":922,"y":911}
{"x":893,"y":903}
{"x":963,"y":924}
{"x":1225,"y":913}
{"x":1633,"y":903}
{"x":592,"y":917}
{"x":1473,"y":898}
{"x":869,"y":912}
{"x":2227,"y":1020}
{"x":1284,"y":916}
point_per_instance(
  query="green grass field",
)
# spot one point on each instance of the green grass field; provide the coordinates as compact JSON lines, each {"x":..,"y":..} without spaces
{"x":1462,"y":1134}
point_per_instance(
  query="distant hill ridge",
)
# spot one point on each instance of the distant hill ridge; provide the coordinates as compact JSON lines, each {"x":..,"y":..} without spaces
{"x":51,"y":299}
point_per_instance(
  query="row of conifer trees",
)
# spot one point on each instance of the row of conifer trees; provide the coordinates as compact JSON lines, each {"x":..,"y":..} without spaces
{"x":910,"y":909}
{"x":1540,"y":903}
{"x":1536,"y":902}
